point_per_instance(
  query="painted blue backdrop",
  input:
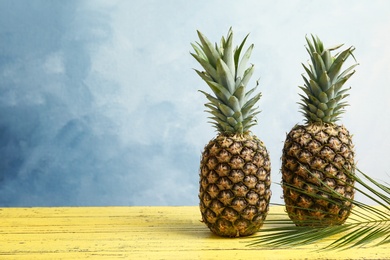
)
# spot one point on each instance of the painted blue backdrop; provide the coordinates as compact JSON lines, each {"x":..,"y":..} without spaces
{"x":99,"y":102}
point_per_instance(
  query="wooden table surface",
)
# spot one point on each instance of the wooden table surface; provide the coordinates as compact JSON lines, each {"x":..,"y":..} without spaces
{"x":137,"y":233}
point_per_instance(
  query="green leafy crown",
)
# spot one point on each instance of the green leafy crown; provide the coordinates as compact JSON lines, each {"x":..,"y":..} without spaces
{"x":324,"y":86}
{"x":231,"y":108}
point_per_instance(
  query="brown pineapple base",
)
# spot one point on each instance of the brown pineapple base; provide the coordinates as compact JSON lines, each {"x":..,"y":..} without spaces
{"x":317,"y":162}
{"x":234,"y":185}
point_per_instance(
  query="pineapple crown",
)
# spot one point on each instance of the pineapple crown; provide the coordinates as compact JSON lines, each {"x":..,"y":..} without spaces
{"x":231,"y":108}
{"x":324,"y":85}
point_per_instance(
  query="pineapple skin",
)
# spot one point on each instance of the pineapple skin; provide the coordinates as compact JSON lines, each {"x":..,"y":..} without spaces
{"x":234,"y":185}
{"x":314,"y":155}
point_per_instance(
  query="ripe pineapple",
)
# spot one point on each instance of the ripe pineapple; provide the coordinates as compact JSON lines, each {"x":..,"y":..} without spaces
{"x":235,"y":166}
{"x":318,"y":156}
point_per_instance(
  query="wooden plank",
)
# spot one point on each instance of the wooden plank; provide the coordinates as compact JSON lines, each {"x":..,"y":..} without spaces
{"x":136,"y":233}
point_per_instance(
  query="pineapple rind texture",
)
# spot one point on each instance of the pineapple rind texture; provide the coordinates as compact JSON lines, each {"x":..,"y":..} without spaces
{"x":234,"y":185}
{"x":315,"y":162}
{"x":318,"y":157}
{"x":235,"y":166}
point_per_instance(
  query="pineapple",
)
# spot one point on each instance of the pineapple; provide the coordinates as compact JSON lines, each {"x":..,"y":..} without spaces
{"x":318,"y":157}
{"x":235,"y":166}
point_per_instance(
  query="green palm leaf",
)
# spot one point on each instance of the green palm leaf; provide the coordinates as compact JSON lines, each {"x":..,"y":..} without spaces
{"x":366,"y":226}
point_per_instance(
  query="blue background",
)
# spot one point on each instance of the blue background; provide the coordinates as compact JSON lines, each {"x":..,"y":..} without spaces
{"x":99,"y":102}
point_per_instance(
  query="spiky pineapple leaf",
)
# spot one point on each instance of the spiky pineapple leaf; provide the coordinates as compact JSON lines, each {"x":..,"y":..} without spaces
{"x":325,"y":79}
{"x":207,"y":67}
{"x":325,"y":82}
{"x":235,"y":104}
{"x":248,"y":105}
{"x":209,"y":50}
{"x":220,"y":92}
{"x":198,"y":51}
{"x":334,"y":70}
{"x":367,"y":225}
{"x":227,"y":111}
{"x":212,"y":99}
{"x":315,"y":89}
{"x":216,"y":112}
{"x":327,"y":58}
{"x":309,"y":72}
{"x":227,"y":75}
{"x":247,"y":75}
{"x":240,"y":94}
{"x":237,"y":54}
{"x":228,"y":55}
{"x":318,"y":64}
{"x":344,"y":73}
{"x":244,"y":60}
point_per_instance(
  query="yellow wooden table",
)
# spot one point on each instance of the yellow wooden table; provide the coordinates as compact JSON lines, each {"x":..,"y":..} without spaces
{"x":136,"y":233}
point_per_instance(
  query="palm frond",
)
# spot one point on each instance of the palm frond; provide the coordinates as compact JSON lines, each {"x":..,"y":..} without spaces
{"x":366,"y":226}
